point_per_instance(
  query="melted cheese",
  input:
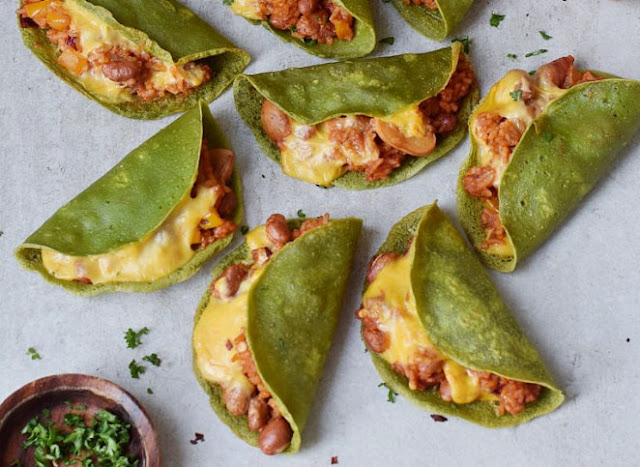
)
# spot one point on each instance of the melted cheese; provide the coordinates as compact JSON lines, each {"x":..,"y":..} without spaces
{"x":257,"y":238}
{"x":249,"y":9}
{"x":94,"y":34}
{"x":407,"y":336}
{"x":409,"y":121}
{"x":162,"y":252}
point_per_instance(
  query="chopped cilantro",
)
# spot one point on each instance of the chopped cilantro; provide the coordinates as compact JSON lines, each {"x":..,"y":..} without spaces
{"x":515,"y":95}
{"x":153,"y":359}
{"x":31,"y":351}
{"x":387,"y":40}
{"x":548,"y":137}
{"x":496,"y":19}
{"x":1,"y":233}
{"x":301,"y":214}
{"x":391,"y":396}
{"x":532,"y":72}
{"x":104,"y":440}
{"x":227,"y":2}
{"x":244,"y":229}
{"x":133,"y":338}
{"x":149,"y":391}
{"x":136,"y":370}
{"x":465,"y":41}
{"x":545,"y":36}
{"x":512,"y":56}
{"x":537,"y":52}
{"x":310,"y":41}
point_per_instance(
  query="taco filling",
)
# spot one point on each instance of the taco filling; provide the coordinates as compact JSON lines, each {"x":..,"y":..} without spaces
{"x":321,"y":21}
{"x":429,"y":4}
{"x":393,"y":329}
{"x":222,"y":353}
{"x":103,"y":59}
{"x":200,"y":219}
{"x":498,"y":125}
{"x":376,"y":146}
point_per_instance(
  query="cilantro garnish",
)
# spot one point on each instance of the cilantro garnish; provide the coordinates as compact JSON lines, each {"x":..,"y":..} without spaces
{"x":153,"y":359}
{"x":391,"y":396}
{"x":244,"y":229}
{"x":387,"y":40}
{"x":149,"y":391}
{"x":135,"y":369}
{"x":512,"y":56}
{"x":465,"y":41}
{"x":103,"y":441}
{"x":545,"y":36}
{"x":309,"y":41}
{"x":31,"y":351}
{"x":515,"y":95}
{"x":301,"y":214}
{"x":227,"y":2}
{"x":133,"y":338}
{"x":537,"y":52}
{"x":496,"y":19}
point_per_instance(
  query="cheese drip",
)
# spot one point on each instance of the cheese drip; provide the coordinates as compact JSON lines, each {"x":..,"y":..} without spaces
{"x":407,"y":336}
{"x":162,"y":252}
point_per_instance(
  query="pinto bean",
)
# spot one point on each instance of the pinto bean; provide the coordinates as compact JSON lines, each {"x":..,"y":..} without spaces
{"x":274,"y":121}
{"x":122,"y":71}
{"x":236,"y":400}
{"x":227,"y":204}
{"x":378,"y":263}
{"x":307,"y":6}
{"x":275,"y":436}
{"x":222,"y":161}
{"x":277,"y":229}
{"x":444,"y":123}
{"x":258,"y":414}
{"x":234,"y":275}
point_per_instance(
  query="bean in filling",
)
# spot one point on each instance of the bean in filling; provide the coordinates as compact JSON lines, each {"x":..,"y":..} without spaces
{"x":513,"y":103}
{"x":392,"y":329}
{"x":103,"y":59}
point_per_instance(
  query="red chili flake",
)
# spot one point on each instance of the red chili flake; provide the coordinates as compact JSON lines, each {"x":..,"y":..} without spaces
{"x":199,"y":437}
{"x":438,"y":418}
{"x":334,"y":460}
{"x":228,"y":345}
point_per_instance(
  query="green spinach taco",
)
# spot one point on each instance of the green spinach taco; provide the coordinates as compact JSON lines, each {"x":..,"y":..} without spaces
{"x":138,"y":58}
{"x":539,"y":144}
{"x":151,"y":221}
{"x":435,"y":19}
{"x":326,"y":28}
{"x":360,"y":124}
{"x":440,"y":335}
{"x":264,"y":327}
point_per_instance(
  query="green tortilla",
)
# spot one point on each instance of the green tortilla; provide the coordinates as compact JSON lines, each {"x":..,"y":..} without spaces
{"x":364,"y":37}
{"x":293,"y":311}
{"x":560,"y":158}
{"x":115,"y":211}
{"x":375,"y":87}
{"x":166,"y":29}
{"x":434,"y":24}
{"x":465,"y":319}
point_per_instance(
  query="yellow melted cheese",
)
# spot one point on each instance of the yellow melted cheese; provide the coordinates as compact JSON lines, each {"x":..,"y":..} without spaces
{"x":410,"y":122}
{"x":94,"y":34}
{"x":257,"y":238}
{"x":249,"y":9}
{"x":165,"y":250}
{"x":407,"y":336}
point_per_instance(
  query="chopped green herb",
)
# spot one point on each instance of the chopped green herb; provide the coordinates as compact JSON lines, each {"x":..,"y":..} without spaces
{"x":387,"y":40}
{"x":465,"y":41}
{"x":496,"y":19}
{"x":537,"y":52}
{"x":310,"y":41}
{"x":532,"y":72}
{"x":391,"y":396}
{"x":515,"y":95}
{"x":153,"y":359}
{"x":548,"y":137}
{"x":149,"y":391}
{"x":1,"y":233}
{"x":512,"y":56}
{"x":103,"y":441}
{"x":545,"y":36}
{"x":293,"y":29}
{"x":33,"y":354}
{"x":133,"y":338}
{"x":244,"y":229}
{"x":227,"y":2}
{"x":301,"y":214}
{"x":136,"y":370}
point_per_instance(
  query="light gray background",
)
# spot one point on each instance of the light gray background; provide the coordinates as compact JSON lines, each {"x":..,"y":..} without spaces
{"x":577,"y":298}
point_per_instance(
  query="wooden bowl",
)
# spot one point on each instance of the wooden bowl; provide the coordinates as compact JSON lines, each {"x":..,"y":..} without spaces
{"x":55,"y":393}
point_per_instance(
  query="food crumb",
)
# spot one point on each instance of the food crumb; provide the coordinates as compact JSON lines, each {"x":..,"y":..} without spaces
{"x":438,"y":418}
{"x":198,"y":437}
{"x":334,"y":460}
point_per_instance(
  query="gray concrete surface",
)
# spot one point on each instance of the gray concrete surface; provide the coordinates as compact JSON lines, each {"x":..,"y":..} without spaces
{"x":578,"y":298}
